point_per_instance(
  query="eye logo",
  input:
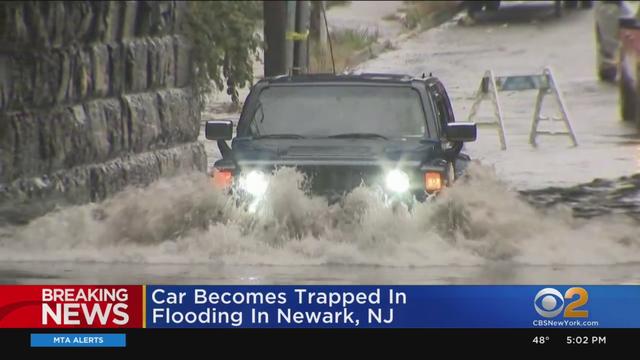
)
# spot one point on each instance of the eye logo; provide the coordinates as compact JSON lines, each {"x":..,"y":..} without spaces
{"x":549,"y":303}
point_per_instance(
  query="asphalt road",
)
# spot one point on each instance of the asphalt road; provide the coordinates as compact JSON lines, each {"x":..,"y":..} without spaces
{"x":157,"y":235}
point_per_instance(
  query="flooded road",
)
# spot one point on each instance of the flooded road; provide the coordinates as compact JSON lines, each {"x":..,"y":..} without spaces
{"x":531,"y":215}
{"x":522,"y":40}
{"x":179,"y":230}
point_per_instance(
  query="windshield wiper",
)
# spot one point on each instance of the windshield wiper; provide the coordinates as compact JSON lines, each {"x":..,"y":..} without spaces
{"x":279,"y":136}
{"x":359,"y":136}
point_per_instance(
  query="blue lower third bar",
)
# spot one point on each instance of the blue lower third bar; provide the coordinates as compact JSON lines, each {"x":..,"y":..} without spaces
{"x":78,"y":340}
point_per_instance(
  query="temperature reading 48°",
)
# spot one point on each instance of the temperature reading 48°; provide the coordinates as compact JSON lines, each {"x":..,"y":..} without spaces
{"x":540,"y":340}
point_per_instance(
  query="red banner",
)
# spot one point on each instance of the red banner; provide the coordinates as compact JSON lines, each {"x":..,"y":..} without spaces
{"x":70,"y":306}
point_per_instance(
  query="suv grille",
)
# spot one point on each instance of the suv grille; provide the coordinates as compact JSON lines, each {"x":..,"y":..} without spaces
{"x":329,"y":180}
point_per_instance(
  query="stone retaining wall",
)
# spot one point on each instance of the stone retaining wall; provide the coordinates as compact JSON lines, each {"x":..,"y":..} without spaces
{"x":94,"y":96}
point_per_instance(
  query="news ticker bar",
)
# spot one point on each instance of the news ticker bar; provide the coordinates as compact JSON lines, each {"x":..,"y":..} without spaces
{"x":322,"y":306}
{"x":427,"y":339}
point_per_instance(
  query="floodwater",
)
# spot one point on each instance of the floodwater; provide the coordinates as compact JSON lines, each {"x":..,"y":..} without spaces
{"x":551,"y":214}
{"x":180,"y":230}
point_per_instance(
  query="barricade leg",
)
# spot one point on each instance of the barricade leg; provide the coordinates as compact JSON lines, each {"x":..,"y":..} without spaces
{"x":489,"y":91}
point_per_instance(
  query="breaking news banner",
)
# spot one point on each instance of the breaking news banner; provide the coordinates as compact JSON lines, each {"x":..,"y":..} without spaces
{"x":116,"y":316}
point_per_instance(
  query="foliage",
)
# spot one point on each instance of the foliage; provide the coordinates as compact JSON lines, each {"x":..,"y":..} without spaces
{"x":225,"y":44}
{"x":355,"y":38}
{"x":346,"y":44}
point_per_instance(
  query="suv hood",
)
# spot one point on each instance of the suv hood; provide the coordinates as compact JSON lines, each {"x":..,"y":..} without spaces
{"x":323,"y":151}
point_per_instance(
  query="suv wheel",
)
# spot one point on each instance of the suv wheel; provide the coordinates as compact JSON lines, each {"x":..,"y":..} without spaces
{"x":607,"y":73}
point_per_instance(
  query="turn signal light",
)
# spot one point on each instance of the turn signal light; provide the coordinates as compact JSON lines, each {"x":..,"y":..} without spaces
{"x":222,"y":178}
{"x":433,"y":181}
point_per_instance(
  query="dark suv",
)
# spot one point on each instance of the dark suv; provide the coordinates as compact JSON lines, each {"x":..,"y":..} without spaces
{"x":341,"y":131}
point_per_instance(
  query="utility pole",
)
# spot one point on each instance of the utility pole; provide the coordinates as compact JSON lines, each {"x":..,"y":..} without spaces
{"x":291,"y":28}
{"x":275,"y":28}
{"x":286,"y":25}
{"x":301,"y":47}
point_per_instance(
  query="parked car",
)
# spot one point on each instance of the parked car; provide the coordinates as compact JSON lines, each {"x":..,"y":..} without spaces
{"x":559,"y":6}
{"x":617,"y":26}
{"x":607,"y":15}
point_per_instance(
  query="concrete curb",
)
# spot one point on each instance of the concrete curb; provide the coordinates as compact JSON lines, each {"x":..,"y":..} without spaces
{"x":374,"y":50}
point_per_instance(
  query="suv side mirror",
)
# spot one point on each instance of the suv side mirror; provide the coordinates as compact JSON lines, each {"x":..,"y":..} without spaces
{"x":218,"y":130}
{"x":461,"y":132}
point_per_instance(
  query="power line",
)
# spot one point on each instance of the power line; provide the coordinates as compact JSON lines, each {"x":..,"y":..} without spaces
{"x":326,"y":25}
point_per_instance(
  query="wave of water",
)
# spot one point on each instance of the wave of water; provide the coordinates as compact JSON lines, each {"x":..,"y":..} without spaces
{"x":184,"y":220}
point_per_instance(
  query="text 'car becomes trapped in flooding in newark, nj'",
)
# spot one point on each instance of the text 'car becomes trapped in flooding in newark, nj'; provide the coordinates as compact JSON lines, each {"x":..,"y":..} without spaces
{"x":391,"y":131}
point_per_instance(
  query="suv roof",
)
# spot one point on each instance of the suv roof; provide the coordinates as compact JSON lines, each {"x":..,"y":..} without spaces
{"x":329,"y":77}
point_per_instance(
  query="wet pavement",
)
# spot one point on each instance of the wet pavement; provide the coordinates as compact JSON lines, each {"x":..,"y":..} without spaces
{"x":520,"y":40}
{"x":551,"y":214}
{"x":367,"y":16}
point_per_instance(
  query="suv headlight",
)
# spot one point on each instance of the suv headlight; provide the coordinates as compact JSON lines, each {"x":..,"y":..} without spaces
{"x":255,"y":183}
{"x":397,"y":181}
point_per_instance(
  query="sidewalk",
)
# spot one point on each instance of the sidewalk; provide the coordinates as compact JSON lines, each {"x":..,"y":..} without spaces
{"x":369,"y":15}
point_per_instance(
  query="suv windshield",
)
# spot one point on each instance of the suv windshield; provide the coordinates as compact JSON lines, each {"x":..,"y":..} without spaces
{"x":348,"y":110}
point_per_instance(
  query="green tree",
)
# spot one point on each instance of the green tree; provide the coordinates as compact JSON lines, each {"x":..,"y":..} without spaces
{"x":225,"y":44}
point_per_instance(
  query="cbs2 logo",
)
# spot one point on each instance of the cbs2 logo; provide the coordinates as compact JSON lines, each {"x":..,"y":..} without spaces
{"x":549,"y":302}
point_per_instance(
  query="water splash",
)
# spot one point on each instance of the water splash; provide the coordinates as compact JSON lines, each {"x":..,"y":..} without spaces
{"x":184,"y":220}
